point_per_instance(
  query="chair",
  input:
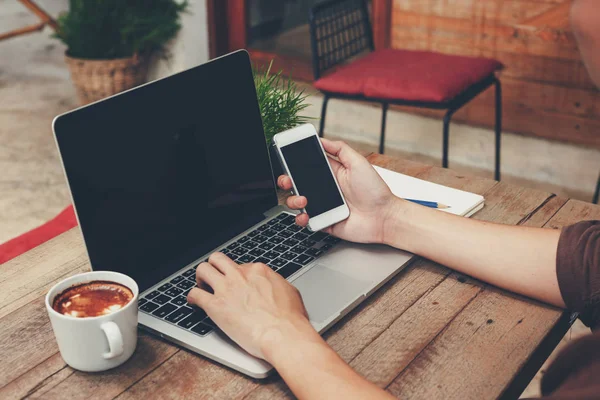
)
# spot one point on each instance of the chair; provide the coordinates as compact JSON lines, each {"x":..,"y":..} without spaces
{"x":45,"y":18}
{"x":340,"y":31}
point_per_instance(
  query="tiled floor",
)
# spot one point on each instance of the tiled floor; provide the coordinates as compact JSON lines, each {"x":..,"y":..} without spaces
{"x":34,"y":87}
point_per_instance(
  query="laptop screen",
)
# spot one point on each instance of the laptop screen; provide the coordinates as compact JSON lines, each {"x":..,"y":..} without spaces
{"x":165,"y":173}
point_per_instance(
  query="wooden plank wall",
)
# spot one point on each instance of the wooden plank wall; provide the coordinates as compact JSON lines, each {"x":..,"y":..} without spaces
{"x":547,"y":91}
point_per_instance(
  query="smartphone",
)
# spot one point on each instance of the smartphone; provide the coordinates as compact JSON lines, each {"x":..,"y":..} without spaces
{"x":303,"y":158}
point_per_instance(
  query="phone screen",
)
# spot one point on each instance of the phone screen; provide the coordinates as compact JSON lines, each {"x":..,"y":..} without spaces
{"x":310,"y":171}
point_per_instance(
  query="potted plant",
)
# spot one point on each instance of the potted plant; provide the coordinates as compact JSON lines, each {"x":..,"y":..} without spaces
{"x":280,"y":104}
{"x":109,"y":42}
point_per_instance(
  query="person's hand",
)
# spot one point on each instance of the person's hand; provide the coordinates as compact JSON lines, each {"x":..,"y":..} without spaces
{"x":252,"y":304}
{"x":367,"y":196}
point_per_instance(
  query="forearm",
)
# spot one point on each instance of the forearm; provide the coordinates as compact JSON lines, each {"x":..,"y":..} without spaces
{"x":519,"y":259}
{"x":312,"y":370}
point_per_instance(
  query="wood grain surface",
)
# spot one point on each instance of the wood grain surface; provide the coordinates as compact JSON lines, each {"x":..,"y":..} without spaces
{"x":425,"y":334}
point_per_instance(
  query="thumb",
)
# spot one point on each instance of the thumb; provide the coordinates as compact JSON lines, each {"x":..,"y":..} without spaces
{"x":346,"y":154}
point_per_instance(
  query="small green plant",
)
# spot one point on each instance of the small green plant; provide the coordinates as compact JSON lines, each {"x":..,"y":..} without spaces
{"x":109,"y":29}
{"x":280,"y":102}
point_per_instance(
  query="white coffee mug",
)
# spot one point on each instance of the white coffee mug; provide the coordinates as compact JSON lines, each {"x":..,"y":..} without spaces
{"x":95,"y":343}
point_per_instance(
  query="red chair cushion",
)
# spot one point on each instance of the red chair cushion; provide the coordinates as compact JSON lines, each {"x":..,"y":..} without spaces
{"x":27,"y":241}
{"x":408,"y":75}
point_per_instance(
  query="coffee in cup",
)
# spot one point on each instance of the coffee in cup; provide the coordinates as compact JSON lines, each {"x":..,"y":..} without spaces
{"x":94,"y":316}
{"x":92,"y":299}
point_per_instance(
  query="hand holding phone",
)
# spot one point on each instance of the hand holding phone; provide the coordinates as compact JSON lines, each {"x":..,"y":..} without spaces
{"x":368,"y":197}
{"x":304,"y":160}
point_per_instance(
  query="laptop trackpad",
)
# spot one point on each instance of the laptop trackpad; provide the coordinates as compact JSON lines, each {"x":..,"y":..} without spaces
{"x":327,"y":292}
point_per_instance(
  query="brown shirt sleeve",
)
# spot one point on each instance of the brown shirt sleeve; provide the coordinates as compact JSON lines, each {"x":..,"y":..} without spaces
{"x":574,"y":373}
{"x":578,"y":270}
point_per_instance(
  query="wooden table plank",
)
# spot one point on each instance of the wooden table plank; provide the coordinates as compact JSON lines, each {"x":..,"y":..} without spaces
{"x":32,"y":274}
{"x":480,"y":351}
{"x":27,"y":340}
{"x":496,"y":332}
{"x":404,"y":340}
{"x":46,"y":374}
{"x":574,"y":211}
{"x":545,"y":213}
{"x":188,"y":376}
{"x":511,"y":204}
{"x":33,"y":366}
{"x":150,"y":353}
{"x":358,"y":329}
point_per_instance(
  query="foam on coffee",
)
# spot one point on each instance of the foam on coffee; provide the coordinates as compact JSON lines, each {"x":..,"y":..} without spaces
{"x":92,"y":299}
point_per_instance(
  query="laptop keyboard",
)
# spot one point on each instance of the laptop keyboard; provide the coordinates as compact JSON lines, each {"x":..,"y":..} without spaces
{"x":279,"y":243}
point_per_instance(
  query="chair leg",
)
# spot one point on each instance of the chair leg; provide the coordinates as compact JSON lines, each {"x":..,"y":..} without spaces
{"x":323,"y":112}
{"x":382,"y":137}
{"x":446,"y":137}
{"x":498,"y":128}
{"x":597,"y":194}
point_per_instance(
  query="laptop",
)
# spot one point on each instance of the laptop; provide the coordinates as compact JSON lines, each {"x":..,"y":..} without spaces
{"x":165,"y":174}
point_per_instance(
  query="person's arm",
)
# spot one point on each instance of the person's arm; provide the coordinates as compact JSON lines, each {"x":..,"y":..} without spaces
{"x":264,"y":314}
{"x":313,"y":370}
{"x":520,"y":259}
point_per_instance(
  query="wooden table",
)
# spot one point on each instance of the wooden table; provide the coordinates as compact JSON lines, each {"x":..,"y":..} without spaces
{"x":429,"y":333}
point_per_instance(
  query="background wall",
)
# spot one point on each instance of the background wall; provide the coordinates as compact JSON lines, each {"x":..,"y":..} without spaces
{"x":190,"y":47}
{"x":547,"y":92}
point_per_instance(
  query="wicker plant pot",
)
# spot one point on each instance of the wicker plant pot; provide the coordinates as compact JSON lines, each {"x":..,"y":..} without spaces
{"x":98,"y":79}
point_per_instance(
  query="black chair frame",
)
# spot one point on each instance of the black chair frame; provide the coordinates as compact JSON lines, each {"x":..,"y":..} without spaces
{"x":341,"y":30}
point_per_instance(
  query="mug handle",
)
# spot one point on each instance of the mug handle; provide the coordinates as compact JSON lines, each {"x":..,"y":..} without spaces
{"x":115,"y":339}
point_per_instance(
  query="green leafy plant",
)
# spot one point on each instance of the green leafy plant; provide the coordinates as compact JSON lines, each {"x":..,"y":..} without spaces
{"x":108,"y":29}
{"x":280,"y":102}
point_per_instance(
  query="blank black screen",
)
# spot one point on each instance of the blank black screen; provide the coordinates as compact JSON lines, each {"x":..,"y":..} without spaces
{"x":312,"y":177}
{"x":165,"y":173}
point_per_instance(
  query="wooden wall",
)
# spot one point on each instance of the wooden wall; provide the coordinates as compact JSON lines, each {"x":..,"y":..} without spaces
{"x":547,"y":91}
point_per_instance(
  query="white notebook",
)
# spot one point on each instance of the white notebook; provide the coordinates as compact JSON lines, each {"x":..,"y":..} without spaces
{"x":404,"y":186}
